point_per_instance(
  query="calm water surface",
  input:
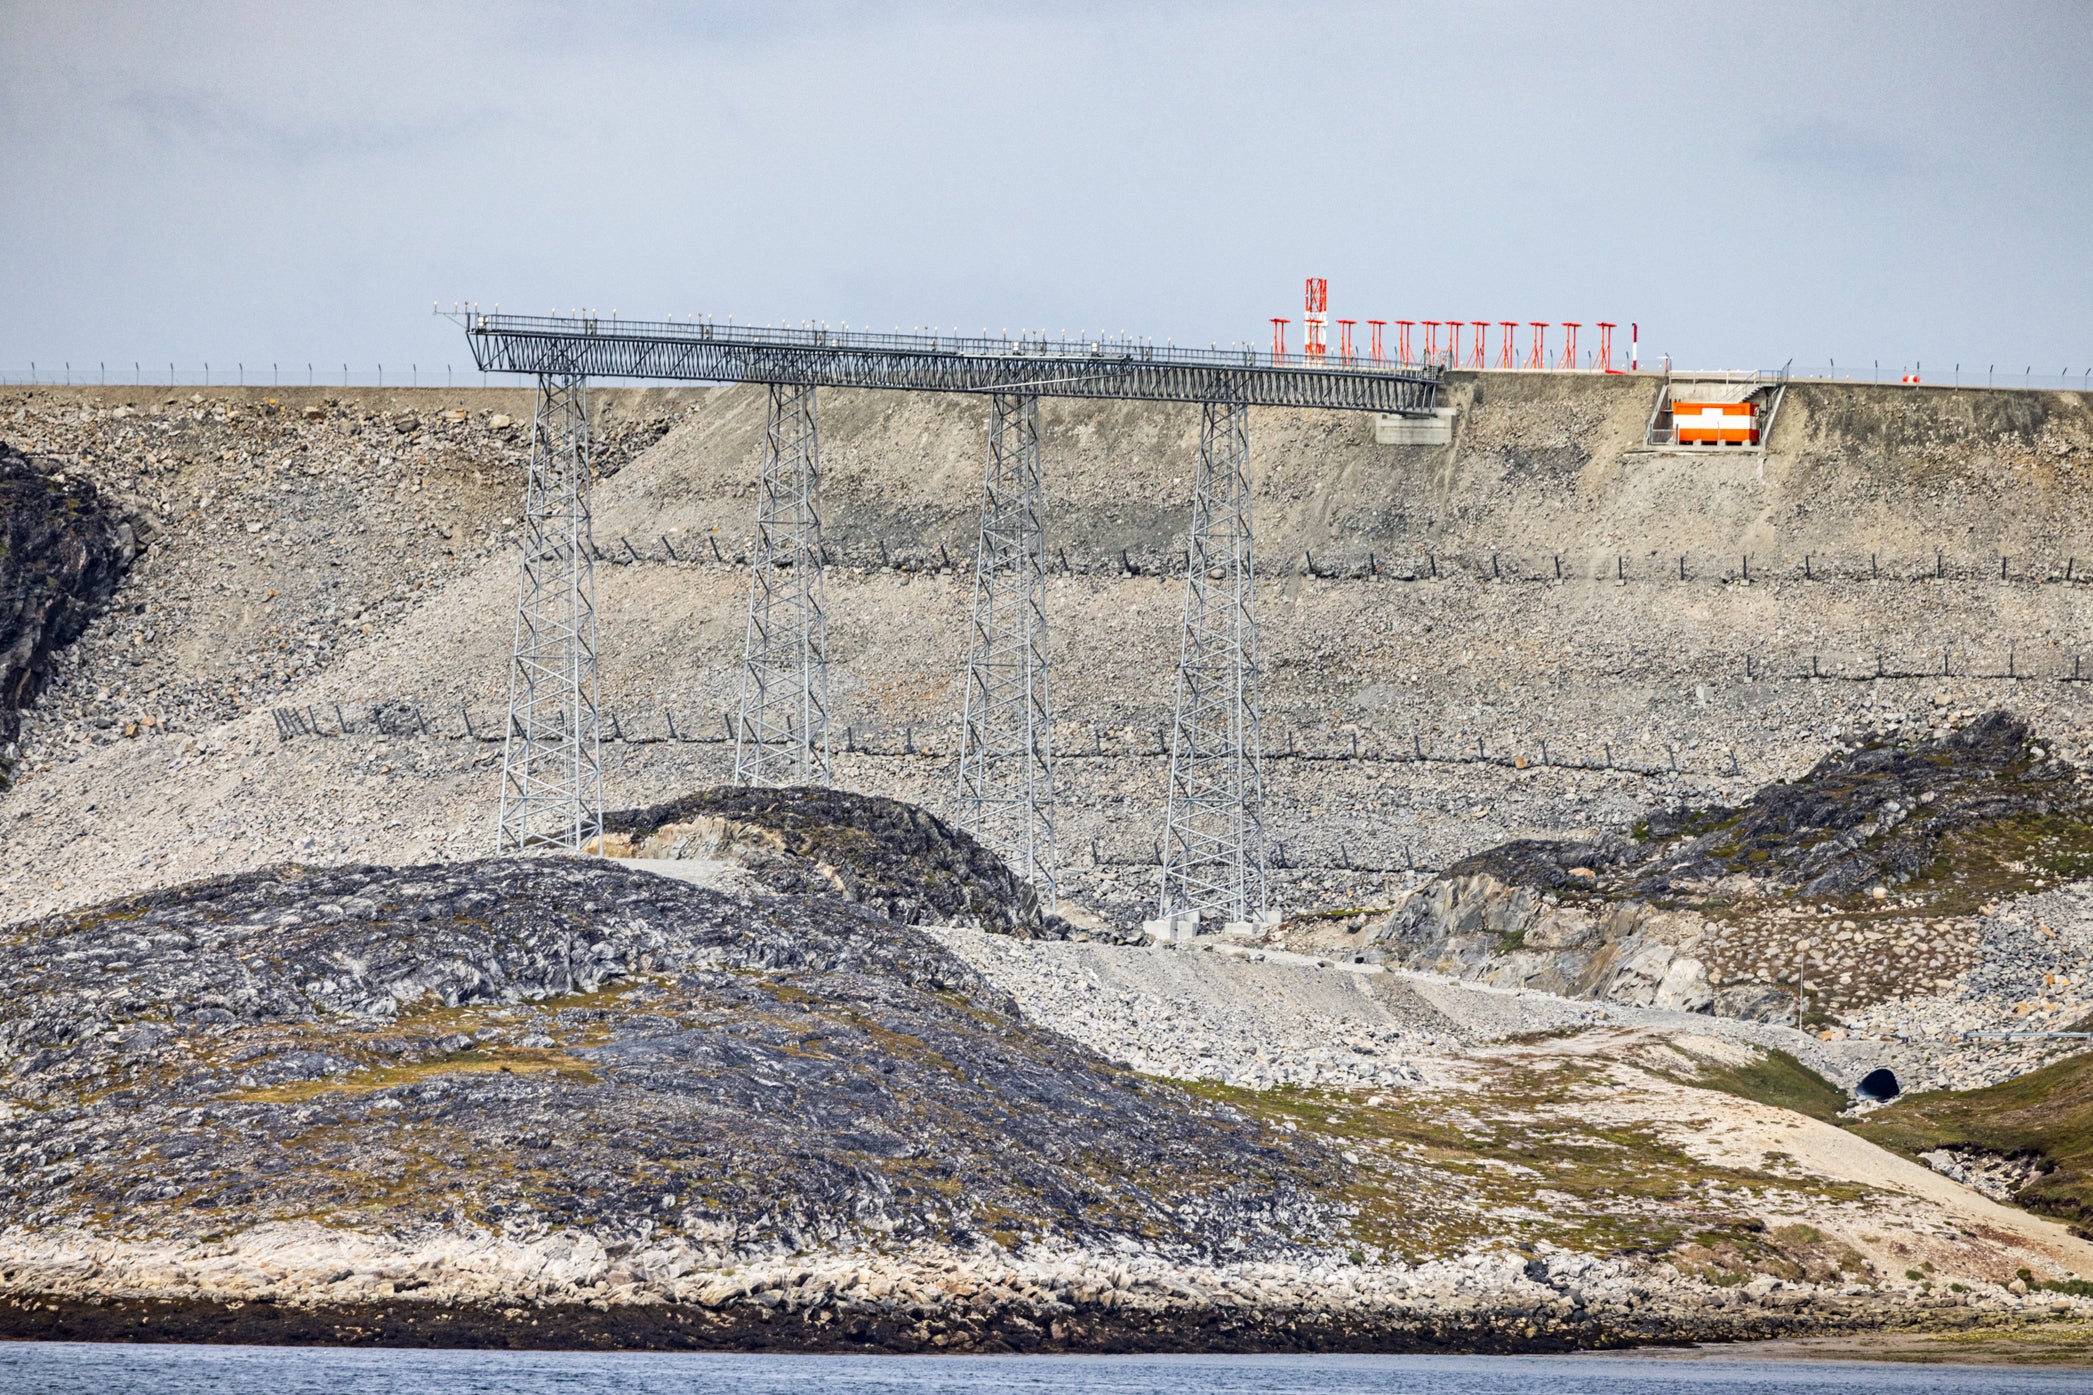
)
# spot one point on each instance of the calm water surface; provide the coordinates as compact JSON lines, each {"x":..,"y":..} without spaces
{"x":63,"y":1368}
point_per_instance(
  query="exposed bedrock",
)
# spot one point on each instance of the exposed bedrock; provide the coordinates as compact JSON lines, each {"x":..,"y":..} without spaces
{"x":1889,"y":842}
{"x":63,"y":549}
{"x":897,"y":859}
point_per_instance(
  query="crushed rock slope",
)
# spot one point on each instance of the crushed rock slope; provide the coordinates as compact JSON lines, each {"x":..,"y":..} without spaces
{"x":1484,"y":650}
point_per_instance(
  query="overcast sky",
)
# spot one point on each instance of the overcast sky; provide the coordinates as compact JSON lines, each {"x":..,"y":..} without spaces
{"x":1751,"y":182}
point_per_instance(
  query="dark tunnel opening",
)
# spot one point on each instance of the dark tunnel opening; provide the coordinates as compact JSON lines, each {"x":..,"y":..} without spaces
{"x":1878,"y":1086}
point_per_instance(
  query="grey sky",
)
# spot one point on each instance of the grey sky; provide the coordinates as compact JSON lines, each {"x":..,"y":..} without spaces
{"x":1753,"y":183}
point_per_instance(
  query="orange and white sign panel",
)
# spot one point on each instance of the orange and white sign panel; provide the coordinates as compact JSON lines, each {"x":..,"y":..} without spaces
{"x":1716,"y":423}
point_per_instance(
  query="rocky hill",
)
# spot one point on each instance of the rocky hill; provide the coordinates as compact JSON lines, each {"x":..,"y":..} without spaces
{"x":1869,"y":877}
{"x":897,"y":859}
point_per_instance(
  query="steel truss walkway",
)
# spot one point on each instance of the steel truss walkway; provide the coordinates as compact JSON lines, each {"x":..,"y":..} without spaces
{"x":1115,"y":369}
{"x":1214,"y":864}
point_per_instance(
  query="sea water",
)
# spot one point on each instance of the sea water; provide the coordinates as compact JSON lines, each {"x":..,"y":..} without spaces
{"x":67,"y":1368}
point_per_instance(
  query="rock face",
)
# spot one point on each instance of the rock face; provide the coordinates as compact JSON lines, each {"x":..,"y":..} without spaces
{"x":1478,"y":926}
{"x":63,"y":548}
{"x":895,"y":858}
{"x":517,"y":1047}
{"x":1669,"y":915}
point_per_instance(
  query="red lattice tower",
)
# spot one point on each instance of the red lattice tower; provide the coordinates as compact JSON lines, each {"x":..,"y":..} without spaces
{"x":1606,"y":328}
{"x":1279,"y":338}
{"x":1507,"y":351}
{"x":1316,"y":318}
{"x":1539,"y":357}
{"x":1402,"y":340}
{"x":1373,"y":331}
{"x":1569,"y":348}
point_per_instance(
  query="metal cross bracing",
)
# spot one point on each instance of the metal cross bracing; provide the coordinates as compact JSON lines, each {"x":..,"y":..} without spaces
{"x":1121,"y":368}
{"x":552,"y":784}
{"x":1213,"y":843}
{"x":781,"y":737}
{"x":1006,"y":767}
{"x":1214,"y":858}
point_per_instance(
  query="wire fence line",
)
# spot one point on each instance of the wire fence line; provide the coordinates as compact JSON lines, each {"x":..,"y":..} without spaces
{"x":138,"y":373}
{"x":843,"y":547}
{"x":2000,"y":377}
{"x":1280,"y":856}
{"x":404,"y":717}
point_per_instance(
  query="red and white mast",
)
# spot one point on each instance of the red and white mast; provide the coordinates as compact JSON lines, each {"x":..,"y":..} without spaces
{"x":1315,"y":322}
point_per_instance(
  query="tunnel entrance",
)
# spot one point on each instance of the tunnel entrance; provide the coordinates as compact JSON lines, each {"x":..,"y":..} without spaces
{"x":1878,"y":1086}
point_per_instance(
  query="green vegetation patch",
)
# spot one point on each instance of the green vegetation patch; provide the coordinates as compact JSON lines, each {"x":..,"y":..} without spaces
{"x":513,"y":1060}
{"x":1514,"y":1157}
{"x":2047,"y":1114}
{"x":1778,"y":1079}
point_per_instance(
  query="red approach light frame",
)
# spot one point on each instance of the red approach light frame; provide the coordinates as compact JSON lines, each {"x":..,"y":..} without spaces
{"x":1344,"y":339}
{"x":1431,"y":340}
{"x":1480,"y":359}
{"x":1453,"y":343}
{"x":1402,"y":340}
{"x":1539,"y":358}
{"x":1374,"y":338}
{"x":1569,"y":348}
{"x":1279,"y":338}
{"x":1507,"y":351}
{"x":1606,"y":328}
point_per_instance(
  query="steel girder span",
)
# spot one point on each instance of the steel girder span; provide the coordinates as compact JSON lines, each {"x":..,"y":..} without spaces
{"x":1115,"y":369}
{"x":1213,"y":865}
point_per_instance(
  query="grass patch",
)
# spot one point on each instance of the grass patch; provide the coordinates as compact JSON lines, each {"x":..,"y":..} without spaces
{"x":1515,"y":1158}
{"x":2047,"y":1113}
{"x":1777,"y":1079}
{"x":514,"y":1060}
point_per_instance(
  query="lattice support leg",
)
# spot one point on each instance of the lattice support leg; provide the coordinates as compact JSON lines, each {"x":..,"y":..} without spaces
{"x":1006,"y":764}
{"x":1213,"y":844}
{"x":781,"y":737}
{"x":552,"y":782}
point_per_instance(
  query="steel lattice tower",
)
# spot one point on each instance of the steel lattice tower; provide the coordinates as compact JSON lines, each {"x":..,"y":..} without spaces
{"x":552,"y":783}
{"x":1006,"y":763}
{"x":1213,"y":845}
{"x":782,"y":735}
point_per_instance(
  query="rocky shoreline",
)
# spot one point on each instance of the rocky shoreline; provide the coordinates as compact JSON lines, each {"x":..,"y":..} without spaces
{"x":571,"y":1293}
